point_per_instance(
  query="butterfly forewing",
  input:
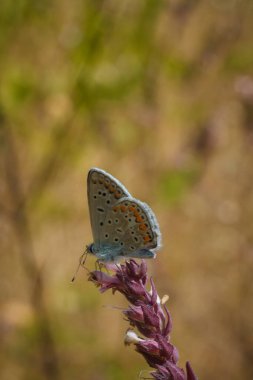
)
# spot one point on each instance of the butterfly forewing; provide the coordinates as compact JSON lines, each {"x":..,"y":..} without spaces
{"x":104,"y":191}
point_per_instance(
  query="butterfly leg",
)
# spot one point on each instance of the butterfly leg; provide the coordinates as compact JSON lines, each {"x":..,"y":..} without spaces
{"x":99,"y":265}
{"x":81,"y":264}
{"x":83,"y":258}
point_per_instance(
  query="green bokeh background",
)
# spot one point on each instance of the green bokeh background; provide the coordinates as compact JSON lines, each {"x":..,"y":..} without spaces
{"x":158,"y":93}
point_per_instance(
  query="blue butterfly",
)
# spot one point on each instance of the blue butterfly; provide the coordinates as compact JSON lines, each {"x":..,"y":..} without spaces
{"x":122,"y":226}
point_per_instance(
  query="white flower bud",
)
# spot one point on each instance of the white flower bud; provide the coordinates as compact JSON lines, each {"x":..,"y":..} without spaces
{"x":164,"y":299}
{"x":131,"y":337}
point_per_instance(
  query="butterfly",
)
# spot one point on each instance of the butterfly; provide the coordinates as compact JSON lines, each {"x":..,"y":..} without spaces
{"x":122,"y":226}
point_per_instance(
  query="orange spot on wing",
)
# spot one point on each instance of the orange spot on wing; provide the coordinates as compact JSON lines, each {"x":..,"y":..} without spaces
{"x":138,"y":218}
{"x":117,"y":194}
{"x":142,"y":227}
{"x":132,"y":208}
{"x":147,"y":238}
{"x":123,"y":208}
{"x":111,"y":189}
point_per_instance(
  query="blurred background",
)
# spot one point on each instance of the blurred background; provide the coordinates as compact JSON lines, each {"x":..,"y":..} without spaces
{"x":158,"y":93}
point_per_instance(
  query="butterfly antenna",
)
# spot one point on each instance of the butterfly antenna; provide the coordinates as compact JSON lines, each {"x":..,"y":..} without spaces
{"x":81,"y":263}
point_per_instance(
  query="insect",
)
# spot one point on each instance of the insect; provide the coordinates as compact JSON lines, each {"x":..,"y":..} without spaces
{"x":122,"y":226}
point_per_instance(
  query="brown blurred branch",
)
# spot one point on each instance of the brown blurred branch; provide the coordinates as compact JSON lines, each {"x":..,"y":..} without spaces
{"x":20,"y":224}
{"x":244,"y":259}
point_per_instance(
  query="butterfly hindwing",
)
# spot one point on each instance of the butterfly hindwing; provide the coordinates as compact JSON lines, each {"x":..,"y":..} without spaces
{"x":132,"y":225}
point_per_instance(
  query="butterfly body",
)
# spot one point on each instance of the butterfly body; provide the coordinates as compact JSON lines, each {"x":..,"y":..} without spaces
{"x":104,"y":252}
{"x":122,"y":226}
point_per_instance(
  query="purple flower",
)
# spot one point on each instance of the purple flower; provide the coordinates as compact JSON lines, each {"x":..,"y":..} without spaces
{"x":148,"y":315}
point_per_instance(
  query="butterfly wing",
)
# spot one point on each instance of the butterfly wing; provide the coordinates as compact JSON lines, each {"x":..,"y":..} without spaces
{"x":104,"y":191}
{"x":131,"y":225}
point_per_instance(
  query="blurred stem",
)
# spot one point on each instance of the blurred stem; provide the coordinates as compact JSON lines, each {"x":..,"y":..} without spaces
{"x":244,"y":262}
{"x":20,"y":224}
